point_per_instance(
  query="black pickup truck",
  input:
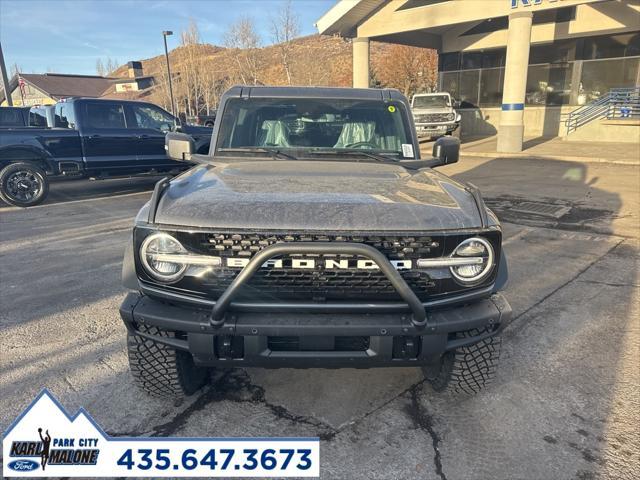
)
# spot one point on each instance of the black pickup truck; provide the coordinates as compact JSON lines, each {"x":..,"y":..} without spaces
{"x":14,"y":117}
{"x":314,"y":235}
{"x":89,"y":137}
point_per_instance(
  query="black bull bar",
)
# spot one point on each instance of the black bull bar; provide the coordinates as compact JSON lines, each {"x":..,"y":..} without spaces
{"x":419,"y":317}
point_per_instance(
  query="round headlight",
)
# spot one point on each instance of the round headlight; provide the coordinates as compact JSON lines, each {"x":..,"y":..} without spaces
{"x":154,"y":254}
{"x":473,"y":248}
{"x":451,"y":116}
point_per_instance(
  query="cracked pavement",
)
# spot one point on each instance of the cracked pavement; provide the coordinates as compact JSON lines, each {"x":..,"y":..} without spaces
{"x":564,"y":405}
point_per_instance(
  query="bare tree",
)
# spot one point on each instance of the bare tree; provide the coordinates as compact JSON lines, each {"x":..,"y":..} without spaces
{"x":242,"y":35}
{"x":100,"y":68}
{"x":192,"y":63}
{"x":191,"y":36}
{"x":111,"y":65}
{"x":15,"y":69}
{"x":214,"y":85}
{"x":161,"y":93}
{"x":409,"y":69}
{"x":107,"y":66}
{"x":285,"y":27}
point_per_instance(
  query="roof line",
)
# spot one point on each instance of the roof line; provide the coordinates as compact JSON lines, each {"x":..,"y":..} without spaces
{"x":334,"y":14}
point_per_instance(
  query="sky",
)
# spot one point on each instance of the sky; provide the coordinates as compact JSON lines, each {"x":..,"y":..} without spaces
{"x":68,"y":36}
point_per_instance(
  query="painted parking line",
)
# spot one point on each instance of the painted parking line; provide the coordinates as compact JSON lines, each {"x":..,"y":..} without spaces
{"x":69,"y":234}
{"x":71,"y":202}
{"x":518,"y":236}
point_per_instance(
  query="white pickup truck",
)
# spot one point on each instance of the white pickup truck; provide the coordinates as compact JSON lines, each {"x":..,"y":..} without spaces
{"x":434,"y":115}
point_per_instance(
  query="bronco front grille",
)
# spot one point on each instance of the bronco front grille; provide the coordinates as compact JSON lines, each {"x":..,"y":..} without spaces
{"x":433,"y":118}
{"x":281,"y":283}
{"x":393,"y":247}
{"x":317,"y":284}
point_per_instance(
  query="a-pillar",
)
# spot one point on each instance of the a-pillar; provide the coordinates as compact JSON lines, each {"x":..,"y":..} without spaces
{"x":511,"y":130}
{"x":361,"y":62}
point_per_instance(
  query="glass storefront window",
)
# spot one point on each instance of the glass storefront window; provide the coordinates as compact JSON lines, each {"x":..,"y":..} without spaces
{"x":625,"y":45}
{"x":471,"y":60}
{"x":449,"y":61}
{"x":549,"y":84}
{"x":559,"y":51}
{"x":450,"y":83}
{"x":463,"y":86}
{"x":600,"y":76}
{"x":469,"y":87}
{"x":493,"y":58}
{"x":491,"y":81}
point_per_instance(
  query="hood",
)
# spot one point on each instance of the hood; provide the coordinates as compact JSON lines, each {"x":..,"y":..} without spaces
{"x":431,"y":110}
{"x":315,"y":195}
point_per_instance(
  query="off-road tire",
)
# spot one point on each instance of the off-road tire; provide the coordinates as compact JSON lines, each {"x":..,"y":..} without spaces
{"x":466,"y":370}
{"x":34,"y":170}
{"x":161,"y":370}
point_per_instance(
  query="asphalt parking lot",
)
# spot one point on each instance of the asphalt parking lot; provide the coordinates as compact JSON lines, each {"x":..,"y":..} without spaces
{"x":565,"y":404}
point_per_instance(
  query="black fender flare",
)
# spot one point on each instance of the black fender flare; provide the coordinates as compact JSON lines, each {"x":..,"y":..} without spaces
{"x":27,"y":153}
{"x":503,"y":273}
{"x":129,"y":276}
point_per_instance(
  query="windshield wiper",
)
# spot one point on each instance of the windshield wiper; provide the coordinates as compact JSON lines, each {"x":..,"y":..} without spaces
{"x":274,"y":152}
{"x":363,"y":153}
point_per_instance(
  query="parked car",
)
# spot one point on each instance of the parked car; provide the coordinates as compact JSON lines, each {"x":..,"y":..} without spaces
{"x":14,"y":117}
{"x":434,"y":115}
{"x":88,"y":138}
{"x":314,"y":235}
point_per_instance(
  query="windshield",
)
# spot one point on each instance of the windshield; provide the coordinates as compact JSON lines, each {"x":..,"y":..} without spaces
{"x":313,"y":125}
{"x":431,"y":101}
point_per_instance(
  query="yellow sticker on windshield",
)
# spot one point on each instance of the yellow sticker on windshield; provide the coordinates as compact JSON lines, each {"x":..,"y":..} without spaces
{"x":391,"y":108}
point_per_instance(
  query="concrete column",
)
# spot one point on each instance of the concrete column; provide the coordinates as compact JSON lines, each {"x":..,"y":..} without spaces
{"x":576,"y":77}
{"x":361,"y":63}
{"x":511,"y":129}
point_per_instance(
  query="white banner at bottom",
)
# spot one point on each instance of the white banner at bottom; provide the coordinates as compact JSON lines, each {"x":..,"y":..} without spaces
{"x":45,"y":441}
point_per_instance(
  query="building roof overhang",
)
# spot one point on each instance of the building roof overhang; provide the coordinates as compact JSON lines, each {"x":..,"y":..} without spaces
{"x":343,"y":18}
{"x":385,"y":20}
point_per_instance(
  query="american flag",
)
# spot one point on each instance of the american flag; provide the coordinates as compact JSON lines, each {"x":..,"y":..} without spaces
{"x":21,"y":85}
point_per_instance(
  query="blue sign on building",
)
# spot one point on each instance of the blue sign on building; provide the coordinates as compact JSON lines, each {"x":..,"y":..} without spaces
{"x":528,"y":3}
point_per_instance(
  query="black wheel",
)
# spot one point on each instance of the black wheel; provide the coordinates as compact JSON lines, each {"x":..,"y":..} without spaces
{"x":161,"y":370}
{"x":466,"y":370}
{"x":23,"y":184}
{"x":208,"y":124}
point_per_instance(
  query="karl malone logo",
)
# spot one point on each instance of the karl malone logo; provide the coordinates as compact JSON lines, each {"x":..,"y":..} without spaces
{"x":64,"y":441}
{"x":63,"y":452}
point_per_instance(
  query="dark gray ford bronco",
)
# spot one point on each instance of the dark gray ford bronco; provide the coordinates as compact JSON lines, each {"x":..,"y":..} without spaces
{"x":314,"y":235}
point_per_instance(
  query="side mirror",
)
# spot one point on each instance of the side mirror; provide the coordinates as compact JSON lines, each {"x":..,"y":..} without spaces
{"x":446,"y":151}
{"x":179,"y":146}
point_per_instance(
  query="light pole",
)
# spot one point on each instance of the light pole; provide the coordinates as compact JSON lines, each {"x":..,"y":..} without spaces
{"x":165,"y":34}
{"x":5,"y":79}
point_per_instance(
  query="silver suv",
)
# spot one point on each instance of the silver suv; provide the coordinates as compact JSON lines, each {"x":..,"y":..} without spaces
{"x":434,"y":115}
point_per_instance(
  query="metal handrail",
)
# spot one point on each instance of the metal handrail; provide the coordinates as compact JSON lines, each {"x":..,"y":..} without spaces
{"x":617,"y":103}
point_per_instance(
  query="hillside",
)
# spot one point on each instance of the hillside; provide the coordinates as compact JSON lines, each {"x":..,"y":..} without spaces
{"x":202,"y":72}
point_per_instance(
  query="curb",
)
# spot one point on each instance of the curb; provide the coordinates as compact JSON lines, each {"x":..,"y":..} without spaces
{"x":565,"y":158}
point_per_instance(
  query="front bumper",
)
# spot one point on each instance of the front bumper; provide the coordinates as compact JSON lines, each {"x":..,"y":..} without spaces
{"x":247,"y":338}
{"x":432,"y":129}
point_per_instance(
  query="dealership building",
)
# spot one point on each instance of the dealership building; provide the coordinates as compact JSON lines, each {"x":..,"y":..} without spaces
{"x":517,"y":67}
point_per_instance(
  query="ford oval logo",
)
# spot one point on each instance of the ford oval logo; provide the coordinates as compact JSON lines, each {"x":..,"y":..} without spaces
{"x":23,"y":465}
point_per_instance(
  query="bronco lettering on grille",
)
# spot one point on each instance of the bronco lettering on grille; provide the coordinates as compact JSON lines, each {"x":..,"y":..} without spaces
{"x":299,"y":263}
